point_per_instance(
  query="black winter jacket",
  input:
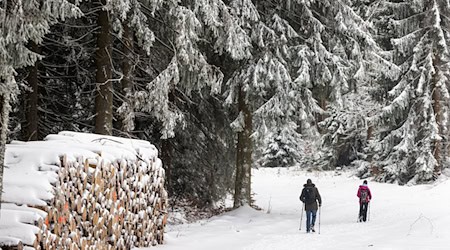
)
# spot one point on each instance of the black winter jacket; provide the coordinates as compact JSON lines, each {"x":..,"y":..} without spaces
{"x":315,"y":197}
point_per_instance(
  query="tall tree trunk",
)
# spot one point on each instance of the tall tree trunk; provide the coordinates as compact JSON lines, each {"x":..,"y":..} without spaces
{"x":6,"y":81}
{"x":5,"y":108}
{"x":31,"y":132}
{"x":437,"y":102}
{"x":104,"y":91}
{"x":242,"y":189}
{"x":438,"y":117}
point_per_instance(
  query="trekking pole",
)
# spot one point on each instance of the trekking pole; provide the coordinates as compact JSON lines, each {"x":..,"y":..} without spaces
{"x":320,"y":209}
{"x":368,"y":207}
{"x":358,"y":218}
{"x":301,"y":218}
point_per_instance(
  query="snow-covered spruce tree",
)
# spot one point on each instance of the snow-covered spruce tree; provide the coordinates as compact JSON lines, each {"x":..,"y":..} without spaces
{"x":347,"y":131}
{"x":335,"y":35}
{"x":187,"y":71}
{"x":282,"y":149}
{"x":64,"y":81}
{"x":412,"y":140}
{"x":197,"y":32}
{"x":66,"y":85}
{"x":343,"y":62}
{"x":271,"y":91}
{"x":202,"y":151}
{"x":116,"y":15}
{"x":22,"y":22}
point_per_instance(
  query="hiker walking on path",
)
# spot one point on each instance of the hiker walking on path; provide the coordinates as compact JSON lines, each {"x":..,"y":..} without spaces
{"x":310,"y":196}
{"x":364,"y":196}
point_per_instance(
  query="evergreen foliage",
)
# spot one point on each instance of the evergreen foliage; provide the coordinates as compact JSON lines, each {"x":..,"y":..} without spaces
{"x":282,"y":150}
{"x":22,"y":22}
{"x":411,"y":143}
{"x":221,"y":86}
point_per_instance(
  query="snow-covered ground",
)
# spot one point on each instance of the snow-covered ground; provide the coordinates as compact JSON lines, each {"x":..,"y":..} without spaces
{"x":401,"y":217}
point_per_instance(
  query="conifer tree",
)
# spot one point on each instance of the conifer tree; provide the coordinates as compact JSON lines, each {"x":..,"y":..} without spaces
{"x":271,"y":91}
{"x":282,"y":149}
{"x":103,"y":78}
{"x":22,"y":22}
{"x":118,"y":16}
{"x":413,"y":127}
{"x":343,"y":62}
{"x":67,"y":66}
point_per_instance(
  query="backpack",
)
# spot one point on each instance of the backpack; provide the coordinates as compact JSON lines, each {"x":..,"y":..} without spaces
{"x":364,"y":193}
{"x":309,"y":195}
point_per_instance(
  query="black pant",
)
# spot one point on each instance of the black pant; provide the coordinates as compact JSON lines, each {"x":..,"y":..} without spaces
{"x":363,"y":211}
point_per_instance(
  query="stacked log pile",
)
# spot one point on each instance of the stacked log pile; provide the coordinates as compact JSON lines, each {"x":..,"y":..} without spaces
{"x":102,"y":205}
{"x":83,"y":191}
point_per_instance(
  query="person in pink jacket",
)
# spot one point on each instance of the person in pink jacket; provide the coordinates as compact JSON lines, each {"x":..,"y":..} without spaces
{"x":364,"y":196}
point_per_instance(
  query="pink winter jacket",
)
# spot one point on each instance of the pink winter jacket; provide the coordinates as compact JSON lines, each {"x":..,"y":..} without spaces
{"x":369,"y":195}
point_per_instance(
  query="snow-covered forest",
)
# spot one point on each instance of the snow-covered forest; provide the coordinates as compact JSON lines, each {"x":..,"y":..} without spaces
{"x":224,"y":86}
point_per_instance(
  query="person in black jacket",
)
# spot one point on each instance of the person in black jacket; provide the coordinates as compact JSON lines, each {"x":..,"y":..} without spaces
{"x":310,"y":196}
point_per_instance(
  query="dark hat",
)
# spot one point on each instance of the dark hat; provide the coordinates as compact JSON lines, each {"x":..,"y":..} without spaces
{"x":365,"y":182}
{"x":309,"y":181}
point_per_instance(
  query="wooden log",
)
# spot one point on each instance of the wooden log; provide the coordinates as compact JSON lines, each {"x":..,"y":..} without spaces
{"x":86,"y":166}
{"x":95,"y":218}
{"x":84,"y":213}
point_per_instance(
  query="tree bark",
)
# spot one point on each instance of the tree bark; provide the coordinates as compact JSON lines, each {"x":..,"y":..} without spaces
{"x":104,"y":90}
{"x":242,"y":194}
{"x":5,"y":108}
{"x":31,"y":132}
{"x":438,"y":117}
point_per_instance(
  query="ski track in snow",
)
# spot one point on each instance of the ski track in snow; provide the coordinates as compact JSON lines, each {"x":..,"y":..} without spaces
{"x":401,"y":217}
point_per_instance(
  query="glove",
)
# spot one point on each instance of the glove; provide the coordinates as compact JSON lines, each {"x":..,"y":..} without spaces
{"x":320,"y":204}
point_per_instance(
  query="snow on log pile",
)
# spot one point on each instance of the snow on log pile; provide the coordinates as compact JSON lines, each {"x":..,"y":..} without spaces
{"x":83,"y":191}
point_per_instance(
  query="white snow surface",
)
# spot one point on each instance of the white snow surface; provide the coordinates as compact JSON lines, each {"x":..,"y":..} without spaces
{"x":31,"y":169}
{"x":400,"y":217}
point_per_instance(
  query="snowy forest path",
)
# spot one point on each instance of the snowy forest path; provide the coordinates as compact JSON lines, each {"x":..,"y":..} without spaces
{"x":401,"y":217}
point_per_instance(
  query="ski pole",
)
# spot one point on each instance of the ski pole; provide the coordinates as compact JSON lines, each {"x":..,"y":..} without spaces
{"x":358,"y":218}
{"x":368,"y":207}
{"x":320,"y":209}
{"x":301,"y":218}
